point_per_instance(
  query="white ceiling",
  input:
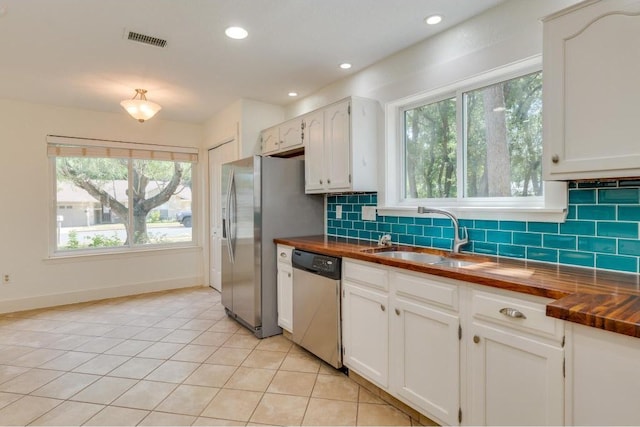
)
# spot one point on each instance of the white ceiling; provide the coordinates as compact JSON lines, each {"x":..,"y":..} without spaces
{"x":74,"y":53}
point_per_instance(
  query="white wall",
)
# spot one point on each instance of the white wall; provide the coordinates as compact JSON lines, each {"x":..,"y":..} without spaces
{"x":240,"y":122}
{"x":25,"y":200}
{"x":507,"y":33}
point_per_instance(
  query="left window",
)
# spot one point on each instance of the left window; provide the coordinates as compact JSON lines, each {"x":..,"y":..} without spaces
{"x":114,"y":196}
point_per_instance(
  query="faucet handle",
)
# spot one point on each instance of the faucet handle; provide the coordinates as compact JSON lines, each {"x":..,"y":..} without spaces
{"x":385,"y":240}
{"x":465,"y":235}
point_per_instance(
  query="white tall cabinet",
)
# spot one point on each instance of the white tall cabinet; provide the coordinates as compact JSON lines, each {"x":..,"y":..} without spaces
{"x":591,"y":91}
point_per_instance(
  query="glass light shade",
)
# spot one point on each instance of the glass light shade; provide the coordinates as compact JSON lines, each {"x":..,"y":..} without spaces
{"x":140,"y":109}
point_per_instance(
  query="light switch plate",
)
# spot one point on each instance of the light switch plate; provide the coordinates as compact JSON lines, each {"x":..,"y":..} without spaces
{"x":368,"y":213}
{"x":338,"y":211}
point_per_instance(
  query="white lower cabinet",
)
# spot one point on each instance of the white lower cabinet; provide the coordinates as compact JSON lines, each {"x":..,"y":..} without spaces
{"x":514,"y":380}
{"x":425,"y":359}
{"x":603,"y":375}
{"x":285,"y":287}
{"x":499,"y":363}
{"x":515,"y":360}
{"x":365,"y":322}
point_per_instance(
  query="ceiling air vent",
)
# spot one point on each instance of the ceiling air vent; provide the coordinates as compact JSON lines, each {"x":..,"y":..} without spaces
{"x":141,"y":38}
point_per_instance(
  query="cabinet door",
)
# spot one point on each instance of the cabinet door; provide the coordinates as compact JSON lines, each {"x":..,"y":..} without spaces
{"x":285,"y":296}
{"x":514,"y":380}
{"x":591,"y":92}
{"x":337,"y":137}
{"x":314,"y":153}
{"x":425,"y":354}
{"x":270,"y":140}
{"x":365,"y":333}
{"x":291,"y":134}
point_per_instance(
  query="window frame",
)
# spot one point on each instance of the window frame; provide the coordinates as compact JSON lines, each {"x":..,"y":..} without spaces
{"x":551,"y":207}
{"x":131,"y":248}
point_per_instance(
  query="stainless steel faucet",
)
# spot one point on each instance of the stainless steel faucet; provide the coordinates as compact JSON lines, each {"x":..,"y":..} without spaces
{"x":457,"y":241}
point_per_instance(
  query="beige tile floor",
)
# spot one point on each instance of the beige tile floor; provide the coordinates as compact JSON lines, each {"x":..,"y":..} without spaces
{"x":169,"y":358}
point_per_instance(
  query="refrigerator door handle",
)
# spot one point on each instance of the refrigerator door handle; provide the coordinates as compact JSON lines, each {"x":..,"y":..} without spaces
{"x":227,"y":220}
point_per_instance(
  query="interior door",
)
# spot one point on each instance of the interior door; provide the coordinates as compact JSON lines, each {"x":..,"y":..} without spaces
{"x":217,"y":156}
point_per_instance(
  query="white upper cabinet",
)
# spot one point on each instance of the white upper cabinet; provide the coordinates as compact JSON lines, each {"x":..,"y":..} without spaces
{"x":291,"y":134}
{"x":591,"y":67}
{"x":286,"y":137}
{"x":340,"y":153}
{"x":270,"y":139}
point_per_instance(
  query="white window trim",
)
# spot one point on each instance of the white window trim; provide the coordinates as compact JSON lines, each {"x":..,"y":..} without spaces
{"x":60,"y":254}
{"x":550,"y":208}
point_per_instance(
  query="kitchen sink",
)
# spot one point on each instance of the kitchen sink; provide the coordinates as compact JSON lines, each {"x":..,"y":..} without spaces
{"x":423,"y":258}
{"x":412,"y":256}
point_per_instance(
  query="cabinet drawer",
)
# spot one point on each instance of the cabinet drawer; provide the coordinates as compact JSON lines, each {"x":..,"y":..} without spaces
{"x":426,"y":288}
{"x":365,"y":273}
{"x":515,"y":313}
{"x":283,"y":254}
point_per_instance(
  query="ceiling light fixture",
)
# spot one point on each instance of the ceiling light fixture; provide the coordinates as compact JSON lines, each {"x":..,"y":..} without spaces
{"x":345,"y":65}
{"x":292,"y":94}
{"x":237,"y":33}
{"x":433,"y":19}
{"x":139,"y":108}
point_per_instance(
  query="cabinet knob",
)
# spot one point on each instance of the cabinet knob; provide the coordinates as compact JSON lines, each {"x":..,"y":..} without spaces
{"x":283,"y":254}
{"x":476,"y":339}
{"x":382,"y":307}
{"x":288,"y":274}
{"x":320,"y":182}
{"x":397,"y":312}
{"x":555,"y":158}
{"x":328,"y":181}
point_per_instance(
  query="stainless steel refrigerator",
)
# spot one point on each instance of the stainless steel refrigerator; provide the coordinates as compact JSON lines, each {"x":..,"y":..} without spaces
{"x":263,"y":198}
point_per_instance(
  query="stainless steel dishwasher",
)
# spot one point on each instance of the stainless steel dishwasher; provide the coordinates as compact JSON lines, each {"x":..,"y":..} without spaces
{"x":316,"y":305}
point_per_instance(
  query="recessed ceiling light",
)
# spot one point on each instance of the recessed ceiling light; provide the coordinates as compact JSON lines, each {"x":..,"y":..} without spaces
{"x":237,"y":33}
{"x":345,"y":65}
{"x":293,"y":94}
{"x":433,"y":19}
{"x":3,"y":10}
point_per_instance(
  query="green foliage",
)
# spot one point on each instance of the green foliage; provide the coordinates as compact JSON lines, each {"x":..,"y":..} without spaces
{"x":73,"y":242}
{"x":100,"y":241}
{"x":154,"y":216}
{"x":431,"y":142}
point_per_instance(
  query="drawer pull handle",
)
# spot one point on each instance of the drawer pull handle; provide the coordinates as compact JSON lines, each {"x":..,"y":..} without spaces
{"x":476,"y":339}
{"x":512,"y":312}
{"x":382,"y":307}
{"x":397,"y":312}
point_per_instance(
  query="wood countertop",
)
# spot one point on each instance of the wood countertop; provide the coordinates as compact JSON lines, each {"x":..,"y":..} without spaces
{"x":601,"y":299}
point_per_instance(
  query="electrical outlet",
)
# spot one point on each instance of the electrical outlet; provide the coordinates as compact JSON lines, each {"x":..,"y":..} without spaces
{"x":338,"y":211}
{"x":6,"y":279}
{"x":368,"y":213}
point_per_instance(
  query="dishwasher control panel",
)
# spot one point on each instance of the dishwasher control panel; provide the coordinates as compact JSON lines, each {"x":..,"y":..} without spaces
{"x":323,"y":265}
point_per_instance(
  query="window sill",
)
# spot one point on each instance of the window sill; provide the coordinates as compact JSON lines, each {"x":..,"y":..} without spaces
{"x":537,"y":214}
{"x":132,"y":253}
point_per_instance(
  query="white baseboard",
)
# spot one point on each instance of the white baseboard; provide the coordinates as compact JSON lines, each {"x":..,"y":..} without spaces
{"x":84,"y":295}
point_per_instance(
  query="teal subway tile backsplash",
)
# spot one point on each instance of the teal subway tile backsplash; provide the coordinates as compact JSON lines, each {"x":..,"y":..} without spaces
{"x":601,"y":230}
{"x":627,"y":230}
{"x":596,"y":212}
{"x":619,"y":196}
